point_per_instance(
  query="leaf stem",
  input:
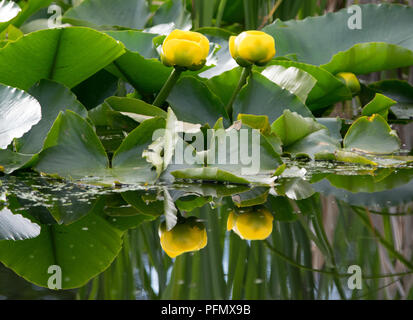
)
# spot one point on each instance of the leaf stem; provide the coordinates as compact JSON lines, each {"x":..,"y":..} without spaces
{"x":246,"y":71}
{"x":167,"y":87}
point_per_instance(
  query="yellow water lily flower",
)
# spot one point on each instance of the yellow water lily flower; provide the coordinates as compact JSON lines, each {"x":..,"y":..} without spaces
{"x":188,"y":235}
{"x":251,"y":224}
{"x":350,"y":81}
{"x":252,"y":47}
{"x":186,"y":49}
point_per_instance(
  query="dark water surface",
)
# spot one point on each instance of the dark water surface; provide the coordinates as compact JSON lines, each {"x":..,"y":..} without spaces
{"x":323,"y":232}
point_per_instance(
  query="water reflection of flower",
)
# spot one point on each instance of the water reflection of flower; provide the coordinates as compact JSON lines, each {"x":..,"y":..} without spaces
{"x":251,"y":224}
{"x":188,"y":235}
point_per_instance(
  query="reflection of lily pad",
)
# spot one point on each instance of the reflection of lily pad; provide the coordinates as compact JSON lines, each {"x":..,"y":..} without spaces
{"x":92,"y":241}
{"x":16,"y":227}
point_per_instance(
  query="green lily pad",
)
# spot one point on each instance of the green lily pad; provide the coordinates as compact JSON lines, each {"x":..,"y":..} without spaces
{"x":91,"y":241}
{"x":253,"y":197}
{"x":333,"y":125}
{"x":219,"y":59}
{"x":72,"y":149}
{"x":261,"y":96}
{"x":313,"y":144}
{"x":135,"y":106}
{"x":11,"y":161}
{"x":252,"y":162}
{"x":189,"y":92}
{"x":66,"y":55}
{"x":291,"y":127}
{"x":295,"y":80}
{"x":352,"y":157}
{"x":380,"y":105}
{"x":53,"y":98}
{"x":137,"y":200}
{"x":327,"y":90}
{"x":401,"y":92}
{"x":261,"y":123}
{"x":371,"y":135}
{"x":174,"y":15}
{"x":223,"y":84}
{"x":128,"y":164}
{"x":281,"y":209}
{"x":140,"y":65}
{"x":190,"y":202}
{"x":381,"y":187}
{"x":132,"y":14}
{"x":383,"y":42}
{"x":95,"y":89}
{"x":208,"y":174}
{"x":295,"y":188}
{"x":304,"y":136}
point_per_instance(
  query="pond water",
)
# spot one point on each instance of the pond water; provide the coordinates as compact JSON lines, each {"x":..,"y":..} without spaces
{"x":323,"y":232}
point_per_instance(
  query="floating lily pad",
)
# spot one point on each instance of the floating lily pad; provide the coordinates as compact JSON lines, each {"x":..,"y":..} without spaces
{"x":91,"y":241}
{"x":11,"y":161}
{"x":371,"y":135}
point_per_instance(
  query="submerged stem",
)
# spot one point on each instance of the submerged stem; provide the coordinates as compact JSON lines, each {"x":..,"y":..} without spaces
{"x":167,"y":87}
{"x":246,"y":71}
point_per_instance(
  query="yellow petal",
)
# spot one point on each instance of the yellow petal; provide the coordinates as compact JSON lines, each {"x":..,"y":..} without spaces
{"x":255,"y":46}
{"x":255,"y":225}
{"x":231,"y":221}
{"x":191,"y":36}
{"x":232,"y":47}
{"x":204,"y":240}
{"x":183,"y":238}
{"x":350,"y":80}
{"x":183,"y":53}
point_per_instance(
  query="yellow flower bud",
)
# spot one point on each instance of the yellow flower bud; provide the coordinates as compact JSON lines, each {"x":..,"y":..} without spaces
{"x":252,"y":224}
{"x":186,"y":49}
{"x":188,"y":235}
{"x":252,"y":47}
{"x":351,"y":81}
